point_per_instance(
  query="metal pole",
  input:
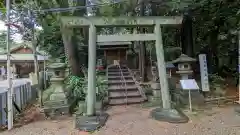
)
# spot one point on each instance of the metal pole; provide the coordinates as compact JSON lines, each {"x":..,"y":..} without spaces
{"x":91,"y":92}
{"x":9,"y":77}
{"x":239,"y":66}
{"x":44,"y":72}
{"x":190,"y":100}
{"x":162,"y":68}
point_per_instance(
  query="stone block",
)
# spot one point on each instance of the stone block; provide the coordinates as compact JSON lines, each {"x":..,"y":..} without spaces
{"x":99,"y":105}
{"x":155,"y":85}
{"x":237,"y":109}
{"x":53,"y":111}
{"x":81,"y":108}
{"x":156,"y":93}
{"x":90,"y":123}
{"x":154,"y":99}
{"x":169,"y":115}
{"x":33,"y":78}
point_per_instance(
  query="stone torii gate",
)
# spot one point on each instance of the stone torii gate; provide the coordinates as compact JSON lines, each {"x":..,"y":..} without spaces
{"x":67,"y":23}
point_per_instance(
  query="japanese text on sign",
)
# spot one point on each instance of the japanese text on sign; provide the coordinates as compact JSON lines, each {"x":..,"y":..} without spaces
{"x":204,"y":72}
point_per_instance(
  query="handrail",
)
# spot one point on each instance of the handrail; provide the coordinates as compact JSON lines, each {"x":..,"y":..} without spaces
{"x":137,"y":84}
{"x":123,"y":80}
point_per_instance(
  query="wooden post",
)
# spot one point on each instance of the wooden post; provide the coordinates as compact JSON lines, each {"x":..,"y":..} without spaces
{"x":119,"y":55}
{"x":162,"y":68}
{"x":91,"y":92}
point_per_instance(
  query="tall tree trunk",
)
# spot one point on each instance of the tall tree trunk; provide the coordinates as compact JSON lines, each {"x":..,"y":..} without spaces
{"x":213,"y":50}
{"x":70,"y":52}
{"x":143,"y":56}
{"x":186,"y":35}
{"x":213,"y":38}
{"x":36,"y":67}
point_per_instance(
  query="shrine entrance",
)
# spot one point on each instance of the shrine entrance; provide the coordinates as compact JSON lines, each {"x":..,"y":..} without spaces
{"x":93,"y":22}
{"x":114,"y":51}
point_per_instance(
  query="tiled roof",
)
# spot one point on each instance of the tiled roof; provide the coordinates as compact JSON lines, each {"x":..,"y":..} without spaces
{"x":23,"y":57}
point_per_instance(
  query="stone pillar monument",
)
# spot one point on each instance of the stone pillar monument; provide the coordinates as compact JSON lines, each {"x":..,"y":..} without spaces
{"x":155,"y":85}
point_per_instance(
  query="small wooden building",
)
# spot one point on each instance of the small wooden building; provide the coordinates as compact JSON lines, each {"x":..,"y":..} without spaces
{"x":114,"y":51}
{"x":22,"y":60}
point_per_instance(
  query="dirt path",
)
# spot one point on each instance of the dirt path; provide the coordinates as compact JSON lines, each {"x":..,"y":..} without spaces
{"x":136,"y":121}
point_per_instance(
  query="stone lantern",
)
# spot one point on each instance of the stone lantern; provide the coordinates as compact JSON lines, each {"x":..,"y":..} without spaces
{"x":56,"y":102}
{"x":184,"y":66}
{"x":57,"y":79}
{"x":184,"y":70}
{"x":67,"y":71}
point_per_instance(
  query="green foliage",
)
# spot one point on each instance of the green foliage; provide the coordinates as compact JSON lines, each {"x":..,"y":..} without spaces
{"x":216,"y":79}
{"x":215,"y":24}
{"x":218,"y":18}
{"x":217,"y":85}
{"x":2,"y":7}
{"x":77,"y":87}
{"x":101,"y":84}
{"x":122,"y":8}
{"x":77,"y":91}
{"x":3,"y":40}
{"x":52,"y":39}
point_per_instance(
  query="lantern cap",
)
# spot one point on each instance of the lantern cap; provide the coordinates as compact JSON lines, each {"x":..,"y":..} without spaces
{"x":183,"y":58}
{"x":57,"y":65}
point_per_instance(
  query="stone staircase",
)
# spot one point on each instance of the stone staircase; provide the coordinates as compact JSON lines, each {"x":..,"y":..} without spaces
{"x":122,"y":87}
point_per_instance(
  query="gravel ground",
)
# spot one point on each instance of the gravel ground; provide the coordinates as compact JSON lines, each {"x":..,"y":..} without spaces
{"x":135,"y":121}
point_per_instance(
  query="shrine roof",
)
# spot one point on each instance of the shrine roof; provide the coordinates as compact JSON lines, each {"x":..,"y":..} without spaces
{"x":23,"y":57}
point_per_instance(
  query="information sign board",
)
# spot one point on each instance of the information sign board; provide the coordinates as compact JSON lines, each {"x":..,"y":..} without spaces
{"x":189,"y":84}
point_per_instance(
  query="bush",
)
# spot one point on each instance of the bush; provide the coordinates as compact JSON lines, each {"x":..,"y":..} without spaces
{"x":77,"y":88}
{"x":217,"y":85}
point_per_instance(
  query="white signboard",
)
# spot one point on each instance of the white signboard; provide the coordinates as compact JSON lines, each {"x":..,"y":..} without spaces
{"x":189,"y":84}
{"x":204,"y":72}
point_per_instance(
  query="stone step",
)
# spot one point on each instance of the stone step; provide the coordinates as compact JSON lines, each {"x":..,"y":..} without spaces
{"x":120,"y":82}
{"x":118,"y":73}
{"x":122,"y":88}
{"x":123,"y":94}
{"x":117,"y":67}
{"x":119,"y":77}
{"x":117,"y":70}
{"x":123,"y":101}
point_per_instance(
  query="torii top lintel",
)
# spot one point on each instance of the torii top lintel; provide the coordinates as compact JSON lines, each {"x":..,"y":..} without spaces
{"x":68,"y":21}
